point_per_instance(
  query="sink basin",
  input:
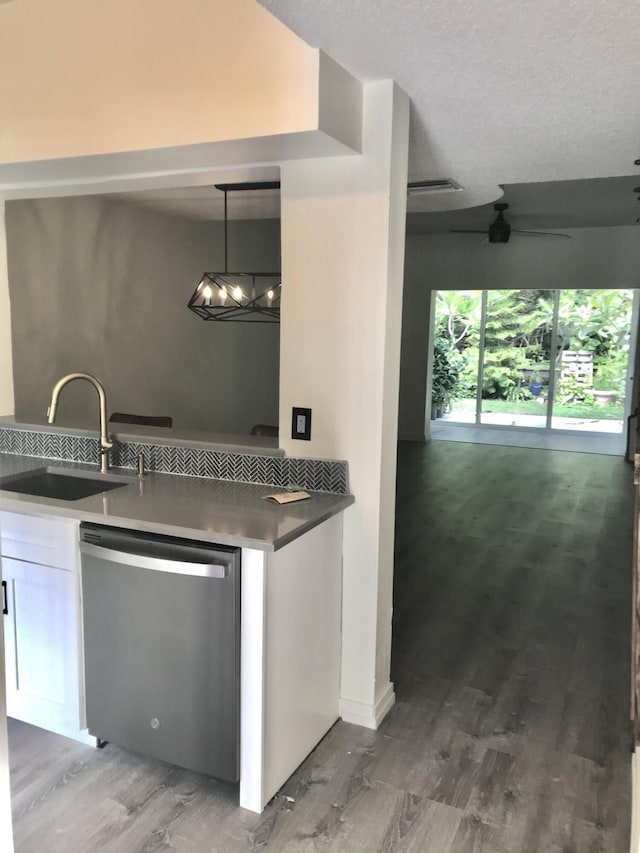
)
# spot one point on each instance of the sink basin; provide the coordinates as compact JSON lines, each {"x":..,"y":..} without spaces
{"x":61,"y":483}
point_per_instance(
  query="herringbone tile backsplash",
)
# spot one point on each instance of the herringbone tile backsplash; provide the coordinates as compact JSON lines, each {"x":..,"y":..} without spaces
{"x":317,"y":475}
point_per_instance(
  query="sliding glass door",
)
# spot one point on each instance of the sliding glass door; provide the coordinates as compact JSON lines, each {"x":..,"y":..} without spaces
{"x":555,"y":359}
{"x":517,"y":344}
{"x":456,"y":353}
{"x":592,"y":359}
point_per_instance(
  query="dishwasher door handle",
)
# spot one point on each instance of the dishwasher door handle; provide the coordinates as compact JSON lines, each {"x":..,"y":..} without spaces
{"x":156,"y":564}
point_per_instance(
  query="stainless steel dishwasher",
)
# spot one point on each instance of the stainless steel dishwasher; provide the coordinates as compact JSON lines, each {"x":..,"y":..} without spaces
{"x":162,"y":646}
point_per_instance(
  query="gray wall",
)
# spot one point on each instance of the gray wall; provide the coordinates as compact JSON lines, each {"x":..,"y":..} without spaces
{"x":593,"y":258}
{"x":102,"y":286}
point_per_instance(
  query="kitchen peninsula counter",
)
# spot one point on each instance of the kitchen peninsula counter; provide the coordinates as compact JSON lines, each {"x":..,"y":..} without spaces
{"x":291,"y":593}
{"x":220,"y":511}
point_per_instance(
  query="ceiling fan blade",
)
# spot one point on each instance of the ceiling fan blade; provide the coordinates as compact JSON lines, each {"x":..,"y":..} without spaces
{"x":540,"y":233}
{"x":465,"y":231}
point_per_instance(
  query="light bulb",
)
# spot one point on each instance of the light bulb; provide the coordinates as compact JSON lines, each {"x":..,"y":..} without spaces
{"x":207,"y":293}
{"x":223,"y":294}
{"x":237,"y":293}
{"x":269,"y":294}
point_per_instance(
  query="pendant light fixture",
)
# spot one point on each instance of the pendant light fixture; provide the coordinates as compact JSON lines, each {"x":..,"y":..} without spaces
{"x":238,"y":296}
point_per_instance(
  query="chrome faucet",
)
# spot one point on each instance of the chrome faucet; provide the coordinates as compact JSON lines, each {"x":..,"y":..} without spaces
{"x":105,"y":443}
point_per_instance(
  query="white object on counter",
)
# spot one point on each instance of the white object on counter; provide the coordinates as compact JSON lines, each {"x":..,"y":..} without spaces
{"x":287,"y":497}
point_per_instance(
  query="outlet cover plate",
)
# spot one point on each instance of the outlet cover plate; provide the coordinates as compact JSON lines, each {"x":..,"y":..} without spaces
{"x":301,"y":423}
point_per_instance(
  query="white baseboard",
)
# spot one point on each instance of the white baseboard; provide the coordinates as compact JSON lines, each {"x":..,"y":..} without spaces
{"x":364,"y":714}
{"x":411,"y":436}
{"x":635,"y":802}
{"x":84,"y":737}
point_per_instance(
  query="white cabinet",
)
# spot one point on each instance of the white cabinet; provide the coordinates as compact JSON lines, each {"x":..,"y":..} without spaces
{"x":41,"y":648}
{"x":290,"y":648}
{"x":42,"y":626}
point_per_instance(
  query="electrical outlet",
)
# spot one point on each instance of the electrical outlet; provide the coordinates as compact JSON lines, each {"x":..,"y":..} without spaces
{"x":301,"y":423}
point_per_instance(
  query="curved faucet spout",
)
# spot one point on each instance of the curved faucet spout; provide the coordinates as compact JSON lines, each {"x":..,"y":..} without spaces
{"x":105,"y":443}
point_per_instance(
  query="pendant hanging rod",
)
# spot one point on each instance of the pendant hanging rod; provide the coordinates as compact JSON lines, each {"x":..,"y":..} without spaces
{"x":239,"y":187}
{"x":226,"y":244}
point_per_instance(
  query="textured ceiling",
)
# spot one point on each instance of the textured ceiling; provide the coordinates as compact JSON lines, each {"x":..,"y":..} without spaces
{"x":520,"y":94}
{"x":594,"y":203}
{"x":503,"y":91}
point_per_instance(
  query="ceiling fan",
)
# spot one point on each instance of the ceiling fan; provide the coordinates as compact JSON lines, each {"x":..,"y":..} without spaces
{"x":500,"y":231}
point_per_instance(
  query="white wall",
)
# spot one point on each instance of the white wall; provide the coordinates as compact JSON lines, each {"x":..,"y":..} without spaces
{"x":125,"y":76}
{"x":343,"y":250}
{"x":412,"y":424}
{"x":593,"y":258}
{"x":6,"y":369}
{"x":102,"y":286}
{"x":6,"y":407}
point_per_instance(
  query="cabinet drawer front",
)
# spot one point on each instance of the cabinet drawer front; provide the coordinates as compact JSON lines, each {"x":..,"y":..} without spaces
{"x":48,"y":541}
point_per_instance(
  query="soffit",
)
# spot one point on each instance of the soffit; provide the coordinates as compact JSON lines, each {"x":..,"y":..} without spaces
{"x":592,"y":203}
{"x":207,"y":203}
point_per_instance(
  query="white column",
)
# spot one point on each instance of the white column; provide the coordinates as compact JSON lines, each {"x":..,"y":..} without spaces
{"x":343,"y":225}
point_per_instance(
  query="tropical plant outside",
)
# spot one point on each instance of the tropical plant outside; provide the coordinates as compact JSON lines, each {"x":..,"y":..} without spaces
{"x":592,"y":351}
{"x":445,"y":375}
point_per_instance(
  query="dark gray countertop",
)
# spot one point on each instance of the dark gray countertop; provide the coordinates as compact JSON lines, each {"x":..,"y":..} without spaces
{"x":221,"y":511}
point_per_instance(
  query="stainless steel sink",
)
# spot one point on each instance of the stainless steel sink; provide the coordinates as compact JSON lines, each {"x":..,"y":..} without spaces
{"x":64,"y":484}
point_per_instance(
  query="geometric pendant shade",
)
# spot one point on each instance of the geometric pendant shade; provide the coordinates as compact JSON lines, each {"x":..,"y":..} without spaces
{"x":253,"y":297}
{"x":239,"y":296}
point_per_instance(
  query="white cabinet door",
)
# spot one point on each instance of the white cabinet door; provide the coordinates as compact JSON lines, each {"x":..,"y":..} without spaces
{"x":41,"y":645}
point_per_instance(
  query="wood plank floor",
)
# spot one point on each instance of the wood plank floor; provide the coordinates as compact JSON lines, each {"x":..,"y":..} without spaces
{"x":510,"y":659}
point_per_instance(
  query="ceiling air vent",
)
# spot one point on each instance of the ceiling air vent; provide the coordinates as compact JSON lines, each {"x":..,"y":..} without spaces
{"x":442,"y":185}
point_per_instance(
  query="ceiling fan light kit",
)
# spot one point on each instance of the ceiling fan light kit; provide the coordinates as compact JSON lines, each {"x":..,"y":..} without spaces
{"x":500,"y":231}
{"x":238,"y":296}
